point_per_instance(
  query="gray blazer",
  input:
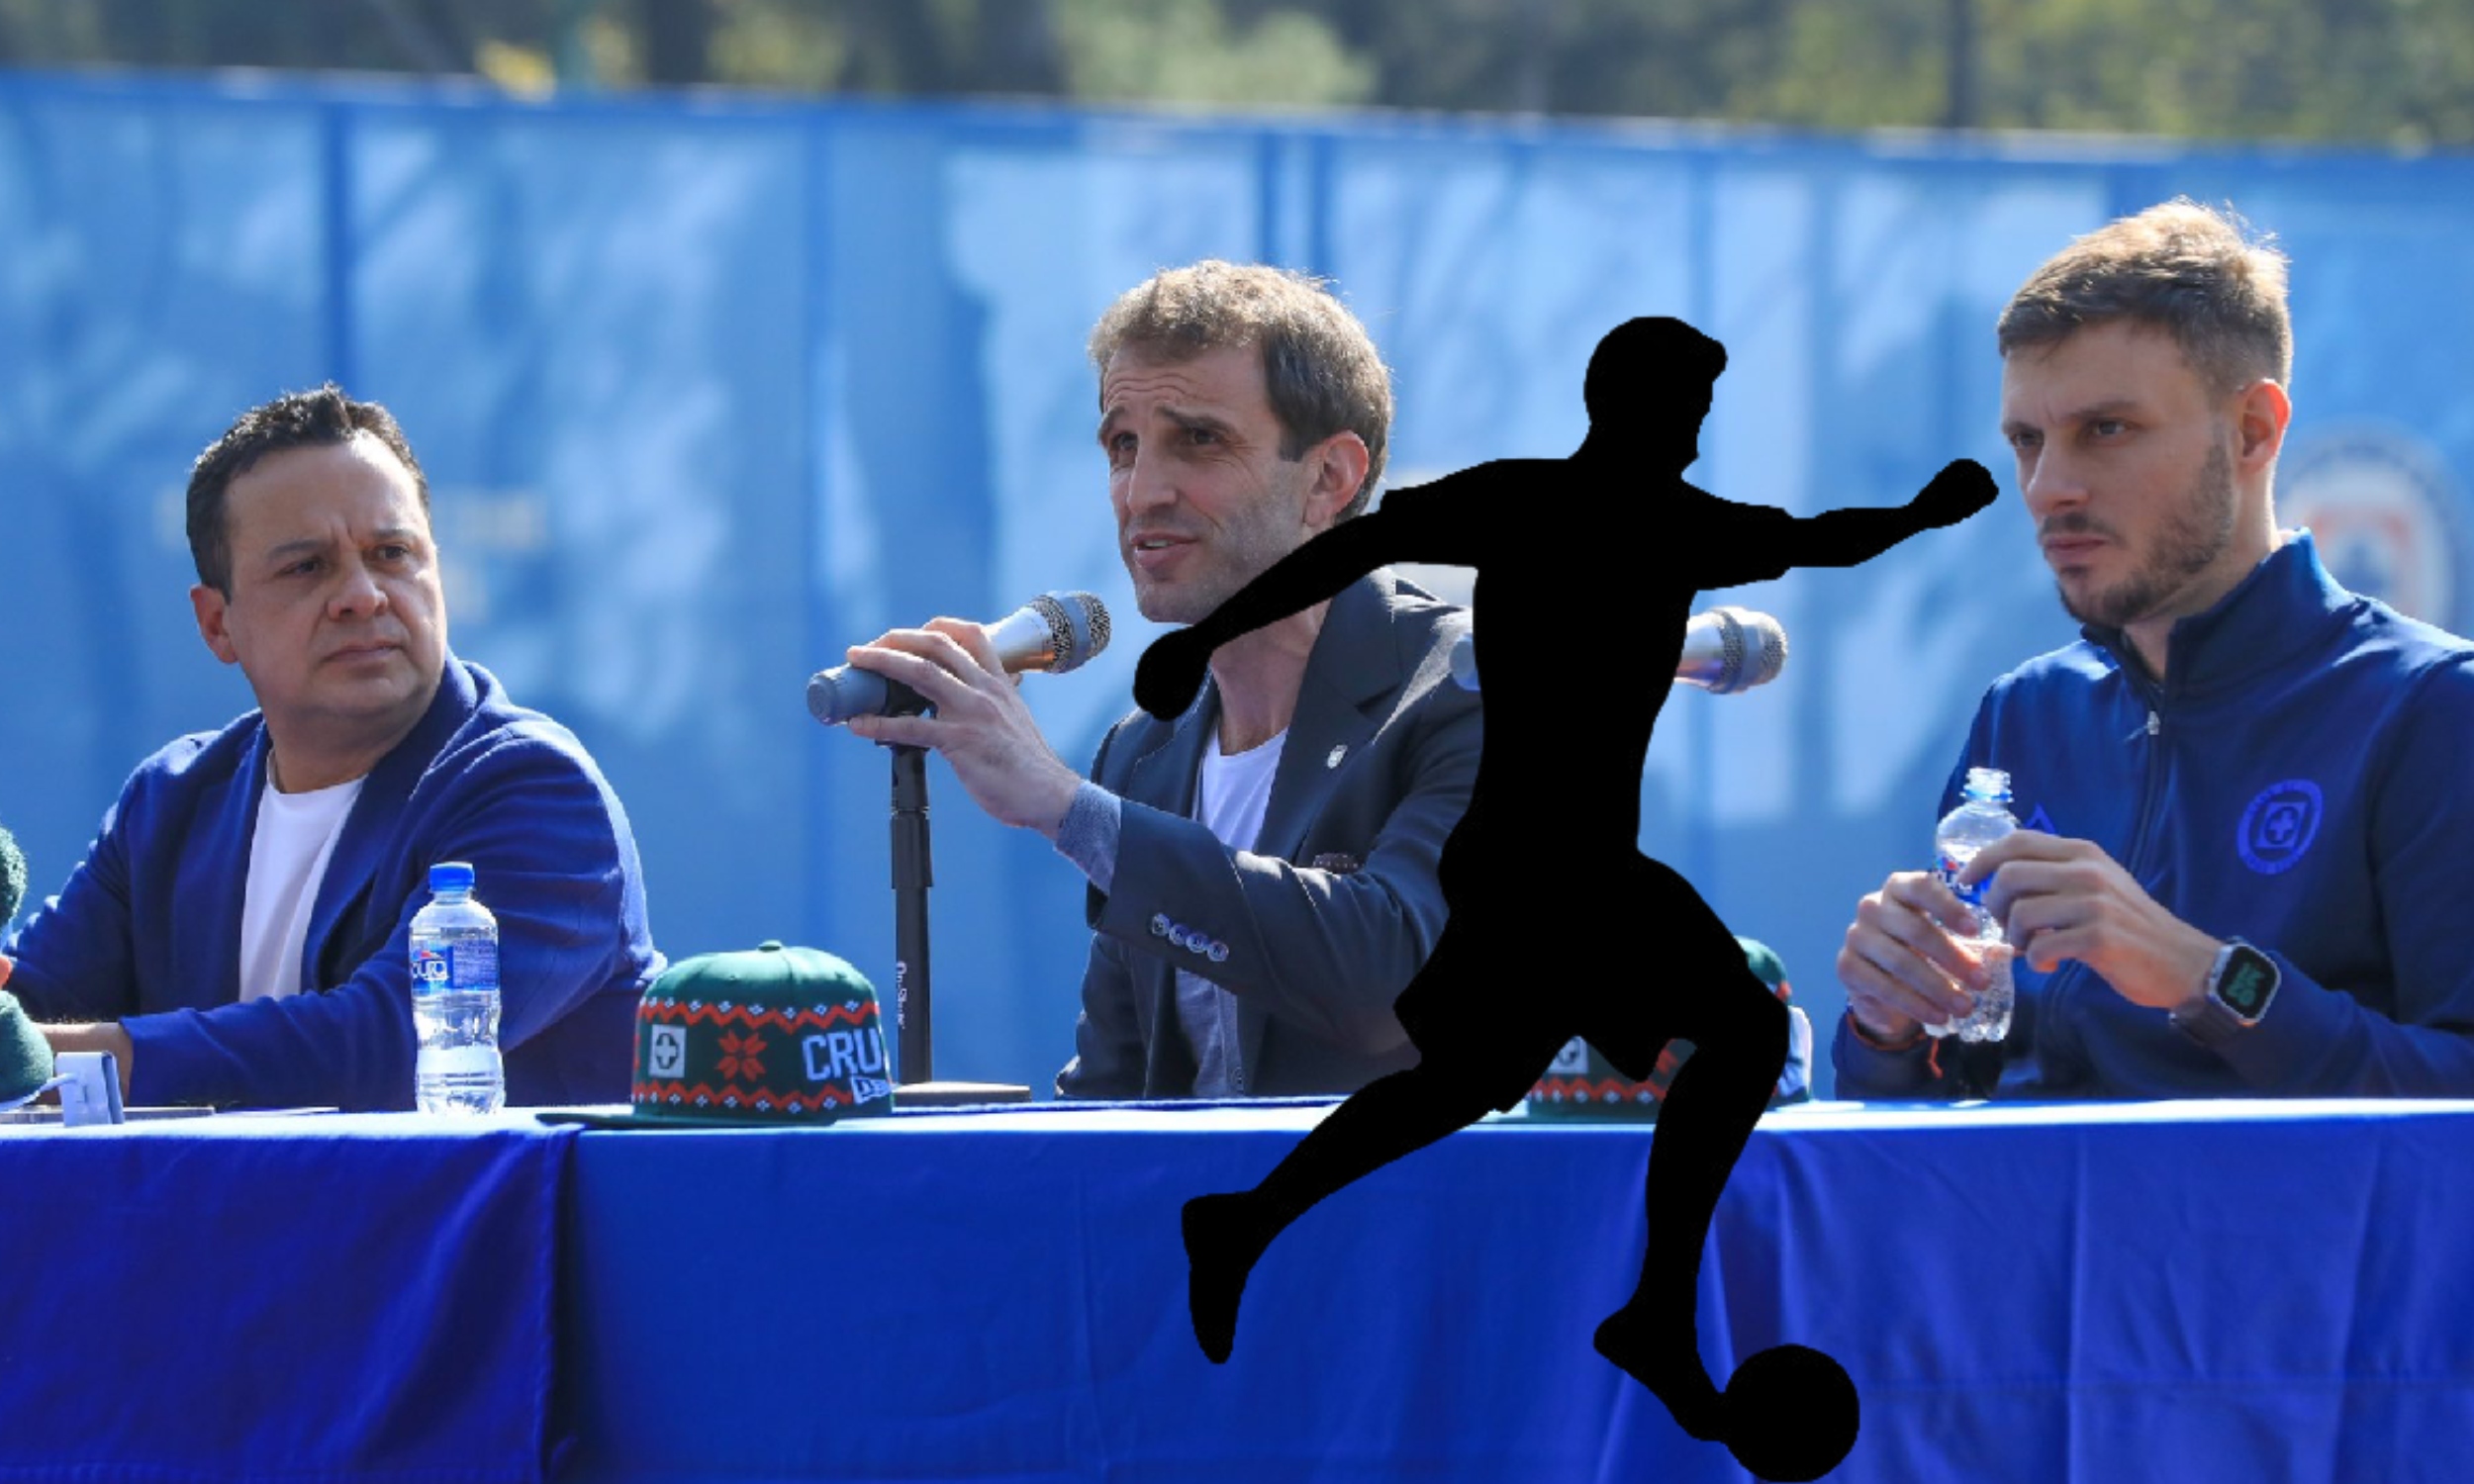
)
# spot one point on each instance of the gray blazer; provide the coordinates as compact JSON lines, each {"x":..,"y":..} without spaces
{"x":1317,"y":934}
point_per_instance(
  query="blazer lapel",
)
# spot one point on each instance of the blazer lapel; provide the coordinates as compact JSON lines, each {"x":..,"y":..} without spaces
{"x":351,"y":874}
{"x":1164,"y":776}
{"x":215,"y":874}
{"x":1353,"y":667}
{"x":369,"y":835}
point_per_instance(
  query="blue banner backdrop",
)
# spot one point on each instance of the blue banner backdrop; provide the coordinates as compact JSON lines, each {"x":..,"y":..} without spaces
{"x":707,"y":389}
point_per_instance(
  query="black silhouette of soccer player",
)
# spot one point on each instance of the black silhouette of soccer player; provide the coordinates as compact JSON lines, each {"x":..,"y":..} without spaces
{"x":1559,"y":927}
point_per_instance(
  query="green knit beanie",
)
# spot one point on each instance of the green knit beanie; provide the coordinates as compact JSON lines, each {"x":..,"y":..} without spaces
{"x":12,"y":878}
{"x":1584,"y":1084}
{"x":770,"y":1036}
{"x":25,"y":1055}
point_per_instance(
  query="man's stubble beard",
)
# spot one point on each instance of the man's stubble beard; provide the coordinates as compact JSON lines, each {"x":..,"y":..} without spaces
{"x":1244,"y":551}
{"x":2197,"y":534}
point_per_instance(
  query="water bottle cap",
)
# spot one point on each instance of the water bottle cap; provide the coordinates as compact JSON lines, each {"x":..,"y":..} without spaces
{"x":1988,"y":783}
{"x":451,"y":875}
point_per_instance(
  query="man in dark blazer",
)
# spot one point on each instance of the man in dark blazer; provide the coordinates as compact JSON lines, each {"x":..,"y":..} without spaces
{"x":1317,"y":928}
{"x":1263,"y":868}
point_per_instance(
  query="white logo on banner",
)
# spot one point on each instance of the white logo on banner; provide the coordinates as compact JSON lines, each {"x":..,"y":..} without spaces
{"x":2387,"y":520}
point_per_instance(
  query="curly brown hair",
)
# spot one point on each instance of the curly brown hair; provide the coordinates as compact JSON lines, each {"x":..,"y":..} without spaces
{"x":1319,"y":366}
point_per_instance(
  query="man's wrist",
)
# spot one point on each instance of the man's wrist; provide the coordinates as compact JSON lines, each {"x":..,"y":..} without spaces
{"x":2196,"y":971}
{"x":1050,"y":818}
{"x":1868,"y":1036}
{"x":2181,"y":976}
{"x":102,"y":1036}
{"x":1089,"y":836}
{"x":2233,"y":996}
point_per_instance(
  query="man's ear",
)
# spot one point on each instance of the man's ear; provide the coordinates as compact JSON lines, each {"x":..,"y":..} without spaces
{"x":209,"y":605}
{"x":2260,"y":417}
{"x":1340,"y":463}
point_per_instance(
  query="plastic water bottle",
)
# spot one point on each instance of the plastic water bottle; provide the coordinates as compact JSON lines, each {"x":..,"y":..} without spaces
{"x":455,"y":998}
{"x":1982,"y":817}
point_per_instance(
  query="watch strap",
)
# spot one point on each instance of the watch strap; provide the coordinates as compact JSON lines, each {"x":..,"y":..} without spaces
{"x":2206,"y":1019}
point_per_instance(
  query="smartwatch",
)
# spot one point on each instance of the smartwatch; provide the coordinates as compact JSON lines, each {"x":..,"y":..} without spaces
{"x":2232,"y":997}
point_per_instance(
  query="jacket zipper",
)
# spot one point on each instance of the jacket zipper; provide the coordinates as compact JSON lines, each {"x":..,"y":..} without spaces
{"x":2153,"y":788}
{"x":2066,"y":978}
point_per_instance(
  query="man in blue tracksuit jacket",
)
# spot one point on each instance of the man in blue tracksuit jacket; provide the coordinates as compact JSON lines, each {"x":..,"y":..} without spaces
{"x":2250,"y":792}
{"x":238,"y":932}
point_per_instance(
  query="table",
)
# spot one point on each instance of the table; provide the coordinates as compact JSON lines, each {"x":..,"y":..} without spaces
{"x":2253,"y":1291}
{"x":279,"y":1299}
{"x":2185,"y":1291}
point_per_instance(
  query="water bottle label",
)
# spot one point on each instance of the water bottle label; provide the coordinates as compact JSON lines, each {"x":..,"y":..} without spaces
{"x":475,"y":965}
{"x":1972,"y":895}
{"x":456,"y":965}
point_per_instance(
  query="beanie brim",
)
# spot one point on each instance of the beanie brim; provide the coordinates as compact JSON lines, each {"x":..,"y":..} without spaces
{"x":638,"y":1118}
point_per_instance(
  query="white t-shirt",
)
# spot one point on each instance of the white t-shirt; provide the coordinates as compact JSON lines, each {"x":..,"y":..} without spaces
{"x":1233,"y":792}
{"x":296,"y":835}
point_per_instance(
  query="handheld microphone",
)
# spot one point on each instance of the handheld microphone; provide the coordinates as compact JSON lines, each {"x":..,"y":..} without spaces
{"x":1055,"y":632}
{"x":1725,"y":650}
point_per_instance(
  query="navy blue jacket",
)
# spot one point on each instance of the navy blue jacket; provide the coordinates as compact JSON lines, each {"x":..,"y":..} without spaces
{"x":147,"y":929}
{"x":2304,"y":778}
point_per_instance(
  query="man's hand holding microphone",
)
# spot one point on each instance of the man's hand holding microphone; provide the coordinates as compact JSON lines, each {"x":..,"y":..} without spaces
{"x":969,"y":676}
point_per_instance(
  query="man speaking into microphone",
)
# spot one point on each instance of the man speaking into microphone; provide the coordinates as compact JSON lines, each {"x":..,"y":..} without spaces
{"x":1262,"y":868}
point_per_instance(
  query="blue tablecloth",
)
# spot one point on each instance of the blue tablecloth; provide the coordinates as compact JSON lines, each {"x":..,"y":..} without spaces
{"x":279,"y":1299}
{"x":2087,"y":1293}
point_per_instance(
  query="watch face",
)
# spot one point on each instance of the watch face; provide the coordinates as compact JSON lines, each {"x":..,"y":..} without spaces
{"x":2248,"y":980}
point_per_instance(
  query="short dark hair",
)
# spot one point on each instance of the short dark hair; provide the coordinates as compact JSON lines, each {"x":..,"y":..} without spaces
{"x":1320,"y":368}
{"x":295,"y":419}
{"x":2187,"y":269}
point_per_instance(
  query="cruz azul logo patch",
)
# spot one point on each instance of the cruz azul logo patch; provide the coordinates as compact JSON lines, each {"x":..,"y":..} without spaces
{"x":2381,"y":506}
{"x":669,"y":1050}
{"x":2279,"y":826}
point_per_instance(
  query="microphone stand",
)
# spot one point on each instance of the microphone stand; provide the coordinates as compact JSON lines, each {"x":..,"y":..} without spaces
{"x":913,"y":872}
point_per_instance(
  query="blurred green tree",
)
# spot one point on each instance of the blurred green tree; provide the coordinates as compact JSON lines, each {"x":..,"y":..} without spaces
{"x":2363,"y":71}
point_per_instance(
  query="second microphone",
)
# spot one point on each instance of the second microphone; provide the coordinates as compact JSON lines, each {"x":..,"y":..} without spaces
{"x":1725,"y":650}
{"x":1055,"y":632}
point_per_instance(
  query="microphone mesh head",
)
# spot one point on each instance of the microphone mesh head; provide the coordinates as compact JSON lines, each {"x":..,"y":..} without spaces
{"x":1773,"y":648}
{"x":1098,"y":622}
{"x":1078,"y":627}
{"x":1729,"y":654}
{"x":1756,"y":650}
